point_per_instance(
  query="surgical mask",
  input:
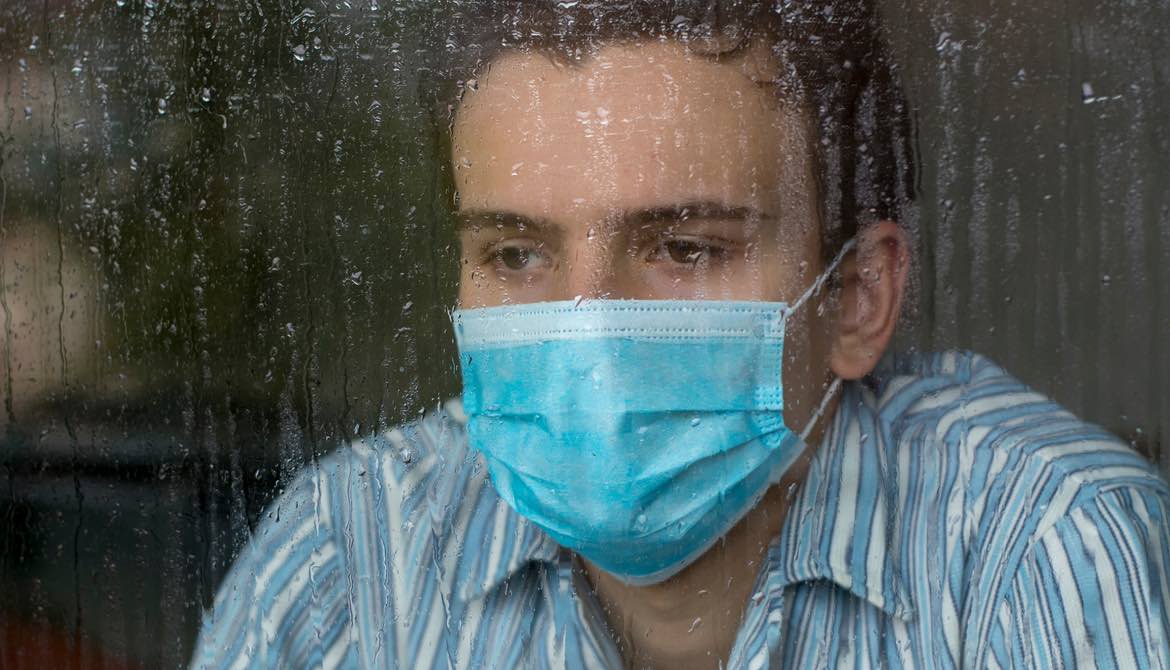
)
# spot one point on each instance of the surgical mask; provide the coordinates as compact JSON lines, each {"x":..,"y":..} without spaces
{"x":634,"y":432}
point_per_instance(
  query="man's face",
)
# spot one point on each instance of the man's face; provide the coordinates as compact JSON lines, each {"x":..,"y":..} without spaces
{"x":647,"y":172}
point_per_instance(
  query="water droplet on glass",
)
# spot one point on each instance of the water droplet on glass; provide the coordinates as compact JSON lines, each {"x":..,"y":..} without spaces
{"x":299,"y":52}
{"x":696,"y":421}
{"x":943,"y":41}
{"x":76,"y":69}
{"x":695,"y":624}
{"x":406,"y":455}
{"x":306,"y":13}
{"x":162,"y":106}
{"x":205,"y":94}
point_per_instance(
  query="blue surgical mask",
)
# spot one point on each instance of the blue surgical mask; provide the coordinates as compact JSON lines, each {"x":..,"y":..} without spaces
{"x":634,"y":432}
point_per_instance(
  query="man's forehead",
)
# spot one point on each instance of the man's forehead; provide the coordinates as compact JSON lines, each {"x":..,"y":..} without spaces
{"x":631,"y":75}
{"x":635,"y":122}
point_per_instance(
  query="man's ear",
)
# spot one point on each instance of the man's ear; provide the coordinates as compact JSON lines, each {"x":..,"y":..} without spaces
{"x":873,"y":280}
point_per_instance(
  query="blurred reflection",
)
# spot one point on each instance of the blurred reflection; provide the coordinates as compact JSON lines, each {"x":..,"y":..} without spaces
{"x":49,"y":317}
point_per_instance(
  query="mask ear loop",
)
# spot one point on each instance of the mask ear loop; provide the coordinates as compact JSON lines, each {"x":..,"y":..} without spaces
{"x":825,"y":399}
{"x":820,"y":281}
{"x":813,"y":290}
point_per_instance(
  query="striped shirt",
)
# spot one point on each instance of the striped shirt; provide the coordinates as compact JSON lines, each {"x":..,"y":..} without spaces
{"x":951,"y":517}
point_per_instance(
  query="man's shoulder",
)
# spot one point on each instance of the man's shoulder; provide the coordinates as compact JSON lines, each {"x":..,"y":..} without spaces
{"x":967,"y":403}
{"x":426,"y":460}
{"x":413,"y":449}
{"x":384,"y":486}
{"x":1018,"y":460}
{"x":357,"y":540}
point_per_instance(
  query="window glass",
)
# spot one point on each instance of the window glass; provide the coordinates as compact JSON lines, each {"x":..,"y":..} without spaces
{"x":228,"y":247}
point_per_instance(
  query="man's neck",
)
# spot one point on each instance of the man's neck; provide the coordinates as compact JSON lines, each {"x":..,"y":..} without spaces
{"x":691,"y":620}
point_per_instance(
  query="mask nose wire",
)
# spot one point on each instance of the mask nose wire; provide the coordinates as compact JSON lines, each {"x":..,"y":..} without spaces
{"x":816,"y":287}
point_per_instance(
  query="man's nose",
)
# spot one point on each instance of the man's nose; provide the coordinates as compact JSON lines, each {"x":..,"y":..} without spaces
{"x":589,"y":269}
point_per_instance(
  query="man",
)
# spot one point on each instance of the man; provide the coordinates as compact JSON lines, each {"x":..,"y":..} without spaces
{"x":683,"y":440}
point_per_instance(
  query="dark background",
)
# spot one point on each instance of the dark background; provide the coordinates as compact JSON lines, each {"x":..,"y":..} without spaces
{"x":222,"y":251}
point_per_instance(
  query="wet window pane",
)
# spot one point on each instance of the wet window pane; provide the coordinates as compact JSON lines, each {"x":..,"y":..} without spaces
{"x":232,"y":236}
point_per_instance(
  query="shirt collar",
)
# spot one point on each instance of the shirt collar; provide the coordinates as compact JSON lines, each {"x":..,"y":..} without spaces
{"x":518,"y":546}
{"x":840,"y":528}
{"x":510,"y":541}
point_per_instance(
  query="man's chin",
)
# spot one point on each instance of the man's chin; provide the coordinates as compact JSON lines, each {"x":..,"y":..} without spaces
{"x":663,"y":593}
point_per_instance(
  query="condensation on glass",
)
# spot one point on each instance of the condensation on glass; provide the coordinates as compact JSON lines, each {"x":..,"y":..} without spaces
{"x":222,"y":251}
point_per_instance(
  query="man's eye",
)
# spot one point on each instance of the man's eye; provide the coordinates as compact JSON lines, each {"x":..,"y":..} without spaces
{"x":514,"y":258}
{"x":518,"y":258}
{"x":687,"y":252}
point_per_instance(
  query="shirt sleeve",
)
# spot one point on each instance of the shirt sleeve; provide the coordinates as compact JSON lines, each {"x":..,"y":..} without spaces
{"x":1092,"y":590}
{"x":282,"y":603}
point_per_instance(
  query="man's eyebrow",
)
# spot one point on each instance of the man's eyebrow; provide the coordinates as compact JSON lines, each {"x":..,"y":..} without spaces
{"x":695,"y":211}
{"x":474,"y":218}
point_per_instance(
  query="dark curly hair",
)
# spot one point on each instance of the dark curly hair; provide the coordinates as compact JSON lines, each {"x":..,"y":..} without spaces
{"x":836,"y":64}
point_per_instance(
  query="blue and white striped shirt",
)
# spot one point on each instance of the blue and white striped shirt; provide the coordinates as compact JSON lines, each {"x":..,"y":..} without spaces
{"x":951,"y":518}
